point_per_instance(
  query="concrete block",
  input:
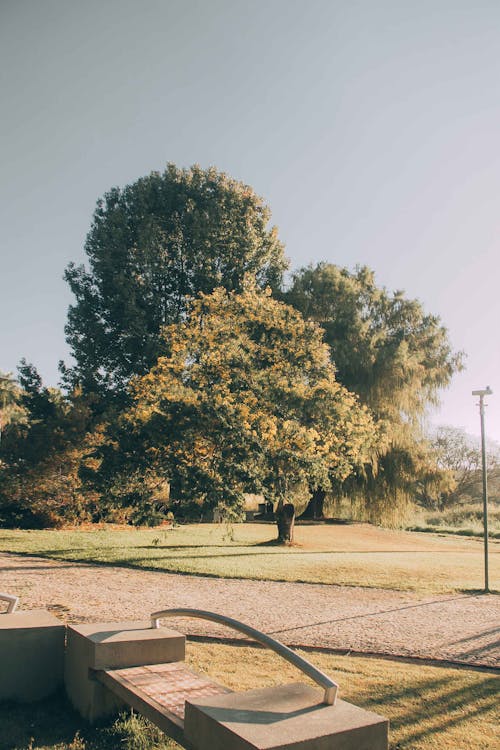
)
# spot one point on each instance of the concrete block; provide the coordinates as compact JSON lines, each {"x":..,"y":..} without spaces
{"x":112,"y":646}
{"x":31,"y":655}
{"x":289,"y":716}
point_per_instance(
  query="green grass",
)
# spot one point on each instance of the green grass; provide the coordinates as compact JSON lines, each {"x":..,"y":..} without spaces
{"x":428,"y":707}
{"x":353,"y":555}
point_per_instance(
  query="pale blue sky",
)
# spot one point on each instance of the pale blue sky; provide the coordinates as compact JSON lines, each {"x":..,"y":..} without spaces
{"x":372,"y":128}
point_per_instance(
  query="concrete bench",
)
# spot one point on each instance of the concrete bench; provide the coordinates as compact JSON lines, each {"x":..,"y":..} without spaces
{"x":196,"y":711}
{"x":139,"y":664}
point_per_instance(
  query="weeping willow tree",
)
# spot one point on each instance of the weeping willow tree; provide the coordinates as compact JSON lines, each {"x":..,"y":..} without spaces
{"x":396,"y":358}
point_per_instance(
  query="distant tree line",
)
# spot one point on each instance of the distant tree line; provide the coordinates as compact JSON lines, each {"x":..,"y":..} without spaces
{"x":197,"y":375}
{"x":459,"y":455}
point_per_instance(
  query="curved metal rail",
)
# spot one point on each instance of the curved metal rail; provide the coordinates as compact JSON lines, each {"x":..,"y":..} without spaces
{"x":305,"y":666}
{"x":13,"y":601}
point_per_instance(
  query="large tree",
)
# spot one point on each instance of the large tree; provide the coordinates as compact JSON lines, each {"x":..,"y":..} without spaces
{"x":392,"y":354}
{"x":153,"y":245}
{"x":246,"y":401}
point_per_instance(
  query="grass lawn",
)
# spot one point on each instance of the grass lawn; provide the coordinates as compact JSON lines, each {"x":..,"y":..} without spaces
{"x":353,"y":555}
{"x":429,"y":707}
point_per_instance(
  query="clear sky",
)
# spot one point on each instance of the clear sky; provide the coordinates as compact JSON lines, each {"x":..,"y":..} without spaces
{"x":372,"y":129}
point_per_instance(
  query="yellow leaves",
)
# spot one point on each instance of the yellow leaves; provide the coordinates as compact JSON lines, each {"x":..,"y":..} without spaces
{"x":202,"y":450}
{"x":176,"y":346}
{"x":256,"y":393}
{"x":267,"y":428}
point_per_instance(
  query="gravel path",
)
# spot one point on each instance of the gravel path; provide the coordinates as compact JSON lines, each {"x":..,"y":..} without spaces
{"x":458,"y":627}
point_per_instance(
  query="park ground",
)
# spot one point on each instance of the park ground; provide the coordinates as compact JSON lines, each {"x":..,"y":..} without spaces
{"x":366,"y":590}
{"x":339,"y":554}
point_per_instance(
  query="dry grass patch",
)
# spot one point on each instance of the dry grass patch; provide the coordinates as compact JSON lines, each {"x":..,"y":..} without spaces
{"x":352,"y":555}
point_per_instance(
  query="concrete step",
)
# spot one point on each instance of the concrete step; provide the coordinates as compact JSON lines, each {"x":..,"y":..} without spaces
{"x":112,"y":646}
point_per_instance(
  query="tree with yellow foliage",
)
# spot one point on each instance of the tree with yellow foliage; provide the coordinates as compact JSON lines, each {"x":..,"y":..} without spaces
{"x":245,"y":401}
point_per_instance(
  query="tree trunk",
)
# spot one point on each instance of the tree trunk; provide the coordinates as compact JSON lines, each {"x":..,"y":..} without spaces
{"x":314,"y":509}
{"x":285,"y":520}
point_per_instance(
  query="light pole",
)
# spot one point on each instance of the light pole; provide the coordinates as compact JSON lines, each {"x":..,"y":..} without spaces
{"x":482,"y":393}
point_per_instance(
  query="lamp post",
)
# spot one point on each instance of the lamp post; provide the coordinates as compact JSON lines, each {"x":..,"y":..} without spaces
{"x":482,"y":393}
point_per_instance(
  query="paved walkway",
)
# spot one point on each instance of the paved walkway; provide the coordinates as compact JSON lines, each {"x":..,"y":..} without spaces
{"x":458,"y":627}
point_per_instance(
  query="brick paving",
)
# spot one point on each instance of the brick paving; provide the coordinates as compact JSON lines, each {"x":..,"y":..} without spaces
{"x":168,"y":686}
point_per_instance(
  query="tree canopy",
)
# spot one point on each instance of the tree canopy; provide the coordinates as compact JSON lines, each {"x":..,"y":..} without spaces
{"x":392,"y":354}
{"x":193,"y":368}
{"x":153,"y":245}
{"x":41,"y":454}
{"x":12,"y":412}
{"x":460,"y":454}
{"x":246,"y":401}
{"x":386,"y":348}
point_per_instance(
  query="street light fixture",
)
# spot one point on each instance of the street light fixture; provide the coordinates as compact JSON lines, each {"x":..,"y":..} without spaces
{"x":482,"y":393}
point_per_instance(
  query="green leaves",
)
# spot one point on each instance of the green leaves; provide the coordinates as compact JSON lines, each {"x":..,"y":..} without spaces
{"x":394,"y":357}
{"x":152,"y":246}
{"x":246,"y":401}
{"x":385,"y":348}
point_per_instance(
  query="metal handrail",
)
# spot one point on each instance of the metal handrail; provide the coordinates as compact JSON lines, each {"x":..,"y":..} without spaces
{"x":305,"y":666}
{"x":13,"y":601}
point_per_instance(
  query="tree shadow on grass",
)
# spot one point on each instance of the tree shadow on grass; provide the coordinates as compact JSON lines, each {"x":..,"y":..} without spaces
{"x":421,"y":711}
{"x":53,"y":724}
{"x":52,"y":721}
{"x":68,"y":555}
{"x":221,"y":545}
{"x":272,"y":544}
{"x":437,"y":706}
